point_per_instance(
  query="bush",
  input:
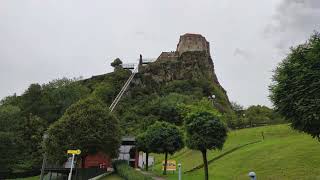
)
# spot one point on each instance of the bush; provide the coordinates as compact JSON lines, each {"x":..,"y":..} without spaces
{"x":125,"y":171}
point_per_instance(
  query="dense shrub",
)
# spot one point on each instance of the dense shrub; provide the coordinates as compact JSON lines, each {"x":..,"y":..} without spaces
{"x":125,"y":171}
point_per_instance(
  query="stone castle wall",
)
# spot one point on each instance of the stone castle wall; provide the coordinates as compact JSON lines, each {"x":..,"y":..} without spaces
{"x":187,"y":42}
{"x":192,"y":42}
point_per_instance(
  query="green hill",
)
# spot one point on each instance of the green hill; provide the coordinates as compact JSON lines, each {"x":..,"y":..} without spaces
{"x":284,"y":154}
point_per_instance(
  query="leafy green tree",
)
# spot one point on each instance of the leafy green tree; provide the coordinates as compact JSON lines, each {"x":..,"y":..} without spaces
{"x":105,"y":92}
{"x":165,"y":138}
{"x":143,"y":144}
{"x":8,"y":151}
{"x":116,"y":63}
{"x":10,"y":144}
{"x":86,"y":125}
{"x":203,"y":105}
{"x":258,"y":115}
{"x":31,"y":100}
{"x":237,"y":108}
{"x":166,"y":107}
{"x":10,"y":118}
{"x":58,"y":95}
{"x":295,"y":89}
{"x":30,"y":137}
{"x":205,"y":131}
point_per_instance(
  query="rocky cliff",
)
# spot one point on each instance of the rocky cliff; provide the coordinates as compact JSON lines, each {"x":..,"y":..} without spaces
{"x":194,"y":66}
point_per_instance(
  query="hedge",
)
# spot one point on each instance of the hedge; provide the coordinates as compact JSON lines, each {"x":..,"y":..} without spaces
{"x":125,"y":171}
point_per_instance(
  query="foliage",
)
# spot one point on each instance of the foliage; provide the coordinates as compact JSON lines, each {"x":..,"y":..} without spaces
{"x":165,"y":138}
{"x":20,"y":137}
{"x":237,"y":108}
{"x":116,"y":63}
{"x":125,"y":171}
{"x":295,"y":89}
{"x":143,"y":144}
{"x":10,"y":117}
{"x":205,"y":131}
{"x":30,"y":138}
{"x":58,"y":95}
{"x":199,"y":106}
{"x":105,"y":92}
{"x":166,"y":107}
{"x":255,"y":115}
{"x":258,"y":115}
{"x":8,"y":150}
{"x":86,"y":125}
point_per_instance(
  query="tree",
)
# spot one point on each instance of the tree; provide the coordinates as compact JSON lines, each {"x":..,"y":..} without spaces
{"x":165,"y":138}
{"x":143,"y":144}
{"x":8,"y":151}
{"x":205,"y":131}
{"x":257,"y":114}
{"x":31,"y":100}
{"x":166,"y":107}
{"x":295,"y":89}
{"x":86,"y":125}
{"x":30,"y":137}
{"x":105,"y":92}
{"x":58,"y":95}
{"x":237,"y":108}
{"x":116,"y":63}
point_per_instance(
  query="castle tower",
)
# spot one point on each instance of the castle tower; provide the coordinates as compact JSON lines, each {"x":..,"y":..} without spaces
{"x":192,"y":42}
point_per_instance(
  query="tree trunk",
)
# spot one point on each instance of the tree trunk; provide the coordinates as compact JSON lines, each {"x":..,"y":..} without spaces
{"x":205,"y":162}
{"x":147,"y":159}
{"x":165,"y":164}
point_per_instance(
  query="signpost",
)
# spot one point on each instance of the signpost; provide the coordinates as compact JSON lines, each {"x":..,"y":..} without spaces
{"x":73,"y":152}
{"x":171,"y":165}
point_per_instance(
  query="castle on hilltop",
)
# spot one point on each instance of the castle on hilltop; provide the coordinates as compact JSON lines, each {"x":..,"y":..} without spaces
{"x":187,"y":42}
{"x":192,"y":42}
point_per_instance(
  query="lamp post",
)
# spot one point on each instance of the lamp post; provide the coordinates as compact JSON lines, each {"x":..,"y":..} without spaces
{"x":44,"y":161}
{"x":252,"y":176}
{"x":212,"y":98}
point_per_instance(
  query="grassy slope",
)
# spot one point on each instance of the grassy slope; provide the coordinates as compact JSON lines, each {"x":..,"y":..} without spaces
{"x":284,"y":154}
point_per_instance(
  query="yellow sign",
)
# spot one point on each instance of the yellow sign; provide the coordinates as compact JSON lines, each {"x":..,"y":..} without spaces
{"x":74,"y":151}
{"x":171,"y":165}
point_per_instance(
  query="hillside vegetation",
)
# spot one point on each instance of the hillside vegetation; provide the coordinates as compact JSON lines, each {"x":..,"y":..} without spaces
{"x":284,"y":154}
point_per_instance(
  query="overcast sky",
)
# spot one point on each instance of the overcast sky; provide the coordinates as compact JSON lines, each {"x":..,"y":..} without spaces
{"x":42,"y":40}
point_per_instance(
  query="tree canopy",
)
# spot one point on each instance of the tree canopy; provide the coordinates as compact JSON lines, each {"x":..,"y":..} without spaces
{"x":116,"y":63}
{"x":165,"y":138}
{"x":295,"y":90}
{"x":204,"y":130}
{"x":86,"y":125}
{"x":143,"y":144}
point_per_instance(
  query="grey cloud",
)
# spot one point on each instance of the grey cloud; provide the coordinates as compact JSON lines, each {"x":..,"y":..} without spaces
{"x":293,"y":22}
{"x":242,"y":53}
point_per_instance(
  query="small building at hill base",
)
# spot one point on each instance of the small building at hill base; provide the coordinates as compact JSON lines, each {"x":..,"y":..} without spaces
{"x":127,"y":152}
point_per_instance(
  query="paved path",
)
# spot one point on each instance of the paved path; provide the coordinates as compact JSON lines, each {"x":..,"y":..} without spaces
{"x":152,"y":175}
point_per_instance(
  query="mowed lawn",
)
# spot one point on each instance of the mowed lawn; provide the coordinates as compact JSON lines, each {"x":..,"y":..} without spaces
{"x":285,"y":154}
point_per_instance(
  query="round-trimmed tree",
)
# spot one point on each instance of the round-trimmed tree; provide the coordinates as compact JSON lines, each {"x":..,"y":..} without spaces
{"x":165,"y":138}
{"x":295,"y":91}
{"x":143,"y":144}
{"x":86,"y":125}
{"x":205,"y":131}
